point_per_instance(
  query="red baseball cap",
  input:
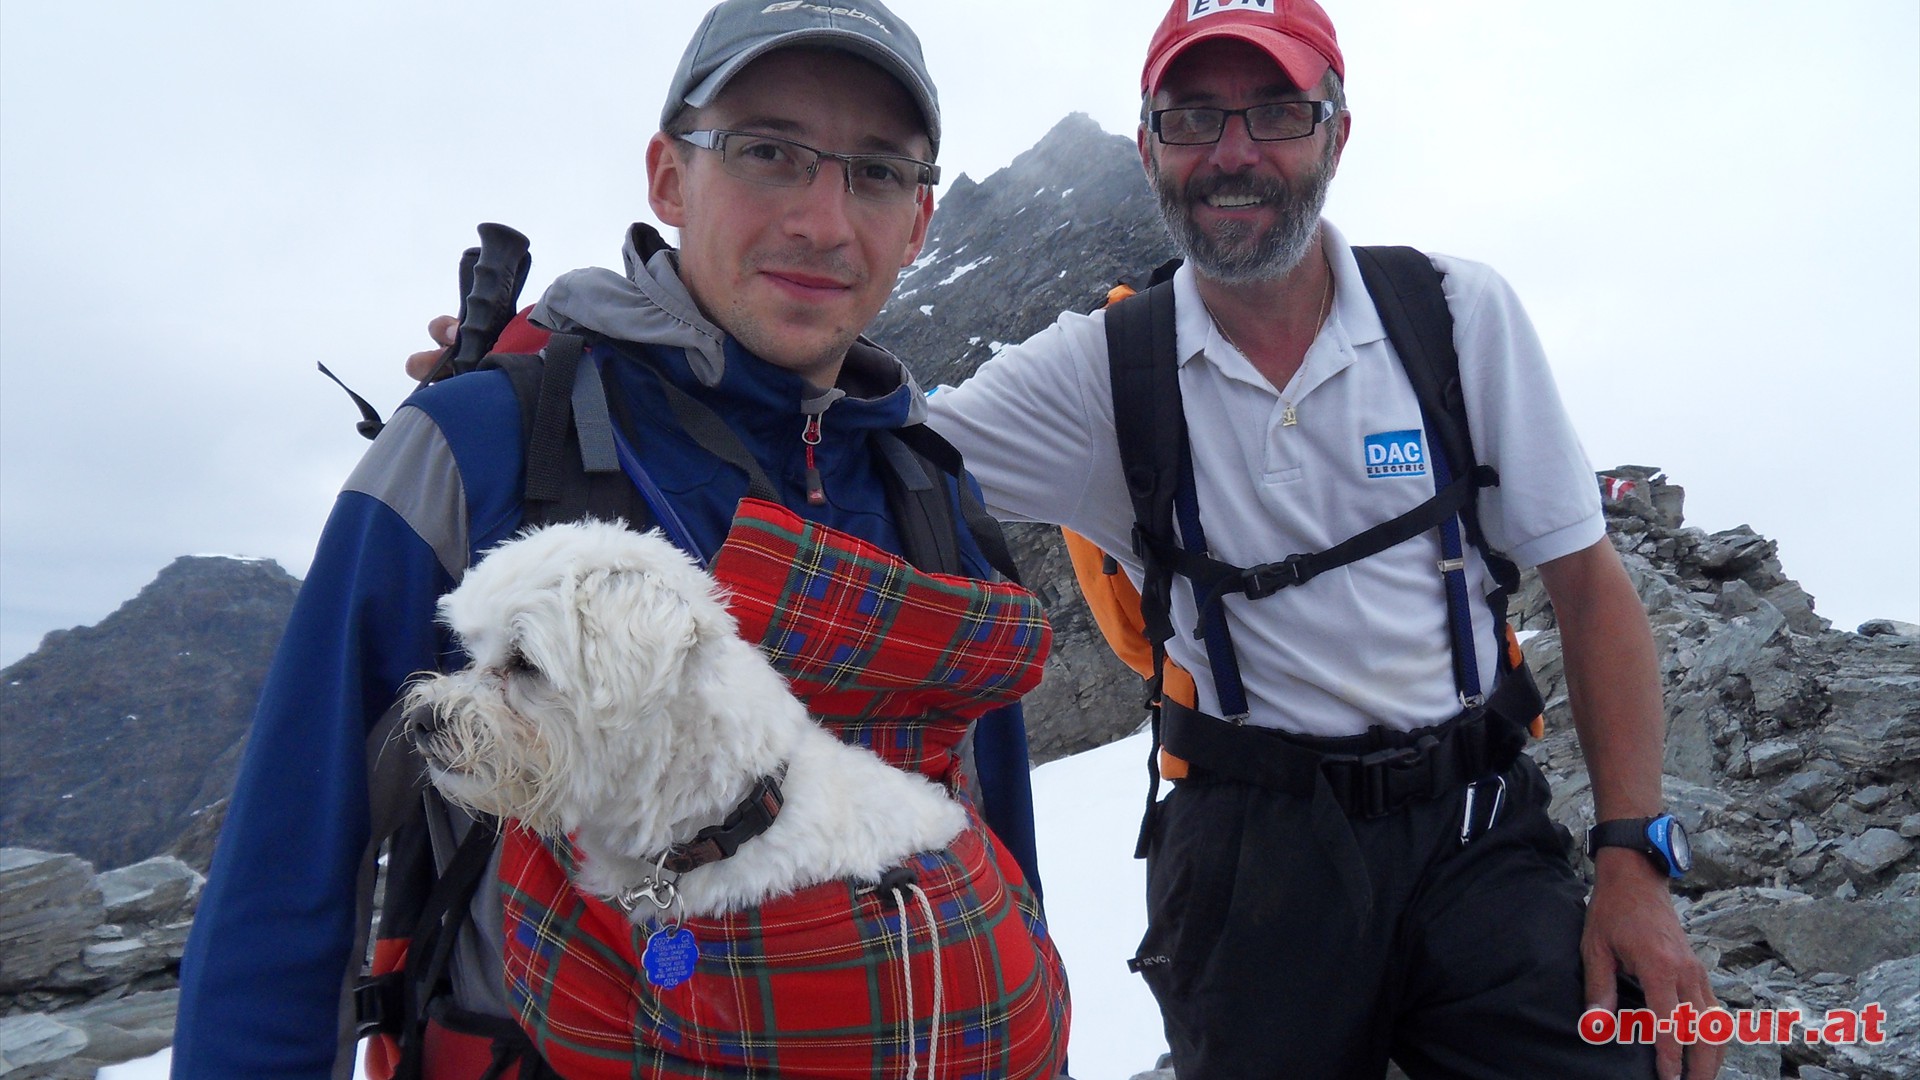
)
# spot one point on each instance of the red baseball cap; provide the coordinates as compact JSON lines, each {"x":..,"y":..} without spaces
{"x":1296,"y":33}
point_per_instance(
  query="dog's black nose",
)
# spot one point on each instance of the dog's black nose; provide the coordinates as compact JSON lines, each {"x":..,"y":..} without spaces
{"x":421,"y":721}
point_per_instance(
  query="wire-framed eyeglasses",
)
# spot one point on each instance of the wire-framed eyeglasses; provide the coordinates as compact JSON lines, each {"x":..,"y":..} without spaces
{"x":1275,"y":122}
{"x":777,"y":162}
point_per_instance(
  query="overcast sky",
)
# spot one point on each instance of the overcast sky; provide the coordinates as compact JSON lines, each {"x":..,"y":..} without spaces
{"x":1712,"y":210}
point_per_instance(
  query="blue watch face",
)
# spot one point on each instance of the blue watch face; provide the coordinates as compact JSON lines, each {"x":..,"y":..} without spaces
{"x":1669,"y":837}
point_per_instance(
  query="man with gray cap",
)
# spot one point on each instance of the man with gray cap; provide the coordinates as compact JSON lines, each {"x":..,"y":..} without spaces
{"x":795,"y":158}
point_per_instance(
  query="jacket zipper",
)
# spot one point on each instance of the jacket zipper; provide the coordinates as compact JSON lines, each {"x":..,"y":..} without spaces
{"x":810,"y":434}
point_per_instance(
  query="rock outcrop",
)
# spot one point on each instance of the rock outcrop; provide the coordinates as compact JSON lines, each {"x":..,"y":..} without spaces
{"x":113,"y":737}
{"x":1793,"y":758}
{"x":88,"y":962}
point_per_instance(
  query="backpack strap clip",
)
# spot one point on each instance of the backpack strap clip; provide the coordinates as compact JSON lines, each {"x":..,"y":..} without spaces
{"x":1268,"y":578}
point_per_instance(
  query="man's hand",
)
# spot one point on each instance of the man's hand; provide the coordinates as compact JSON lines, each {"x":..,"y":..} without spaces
{"x":443,"y":329}
{"x":1632,"y":930}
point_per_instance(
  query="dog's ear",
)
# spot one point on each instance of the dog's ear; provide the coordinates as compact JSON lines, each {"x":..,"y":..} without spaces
{"x":636,"y":630}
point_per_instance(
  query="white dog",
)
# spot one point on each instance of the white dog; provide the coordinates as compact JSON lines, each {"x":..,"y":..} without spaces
{"x":611,"y":698}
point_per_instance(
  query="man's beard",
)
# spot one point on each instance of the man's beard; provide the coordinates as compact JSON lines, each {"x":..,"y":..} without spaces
{"x":1234,"y":253}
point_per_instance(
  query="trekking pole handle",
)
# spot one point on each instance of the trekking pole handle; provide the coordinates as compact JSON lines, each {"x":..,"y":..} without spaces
{"x":498,"y":272}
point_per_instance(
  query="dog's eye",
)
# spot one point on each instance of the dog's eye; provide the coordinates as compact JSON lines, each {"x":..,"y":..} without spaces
{"x":518,"y":664}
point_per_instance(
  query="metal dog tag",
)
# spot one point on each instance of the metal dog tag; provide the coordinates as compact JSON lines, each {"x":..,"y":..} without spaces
{"x":670,"y":956}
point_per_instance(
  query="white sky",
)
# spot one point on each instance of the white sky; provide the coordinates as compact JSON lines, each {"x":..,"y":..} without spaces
{"x":1712,"y":210}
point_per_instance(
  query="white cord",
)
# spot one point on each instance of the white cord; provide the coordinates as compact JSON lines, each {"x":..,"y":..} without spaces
{"x":906,"y":976}
{"x":939,"y":1004}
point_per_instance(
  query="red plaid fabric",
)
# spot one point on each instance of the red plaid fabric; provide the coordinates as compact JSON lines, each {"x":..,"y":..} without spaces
{"x":806,"y":986}
{"x":888,"y":657}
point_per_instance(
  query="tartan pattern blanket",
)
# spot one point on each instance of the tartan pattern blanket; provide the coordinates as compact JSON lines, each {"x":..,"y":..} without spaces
{"x":887,"y":656}
{"x":806,"y":986}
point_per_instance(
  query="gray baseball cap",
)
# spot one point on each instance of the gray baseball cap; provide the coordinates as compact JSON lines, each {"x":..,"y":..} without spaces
{"x":738,"y":32}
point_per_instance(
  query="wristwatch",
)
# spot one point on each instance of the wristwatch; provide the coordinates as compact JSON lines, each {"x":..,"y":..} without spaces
{"x":1662,"y":839}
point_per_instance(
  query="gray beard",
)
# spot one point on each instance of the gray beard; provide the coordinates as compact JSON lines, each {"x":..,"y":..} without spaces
{"x":1236,"y":254}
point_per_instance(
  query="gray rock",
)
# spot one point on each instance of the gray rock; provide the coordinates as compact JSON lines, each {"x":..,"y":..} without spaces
{"x":35,"y":1039}
{"x":1774,"y":755}
{"x":1871,"y":798}
{"x":1757,"y":1062}
{"x":1737,"y":915}
{"x":123,"y":1029}
{"x":153,"y":891}
{"x":49,"y":906}
{"x":1812,"y":788}
{"x":1894,"y":987}
{"x":1888,"y":628}
{"x":1876,"y":718}
{"x":1910,"y":826}
{"x":1733,"y":553}
{"x":1830,"y":935}
{"x":1874,"y":851}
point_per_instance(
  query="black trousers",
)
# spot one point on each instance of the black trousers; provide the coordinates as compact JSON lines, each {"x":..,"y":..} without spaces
{"x":1460,"y":961}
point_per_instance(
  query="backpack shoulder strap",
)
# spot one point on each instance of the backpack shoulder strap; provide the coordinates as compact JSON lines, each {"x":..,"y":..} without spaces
{"x":572,"y":468}
{"x":1150,"y":427}
{"x":915,"y":457}
{"x":1409,"y":294}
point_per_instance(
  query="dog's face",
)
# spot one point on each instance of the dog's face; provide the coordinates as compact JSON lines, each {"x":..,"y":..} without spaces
{"x":577,"y":633}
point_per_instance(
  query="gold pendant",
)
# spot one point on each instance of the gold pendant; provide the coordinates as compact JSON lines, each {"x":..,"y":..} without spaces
{"x":1287,"y":417}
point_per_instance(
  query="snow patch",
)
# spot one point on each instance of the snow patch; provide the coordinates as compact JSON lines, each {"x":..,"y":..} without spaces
{"x":920,"y":264}
{"x":926,"y":309}
{"x":965,"y":269}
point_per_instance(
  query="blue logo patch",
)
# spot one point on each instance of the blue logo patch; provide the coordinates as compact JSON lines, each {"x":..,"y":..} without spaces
{"x":1396,"y":453}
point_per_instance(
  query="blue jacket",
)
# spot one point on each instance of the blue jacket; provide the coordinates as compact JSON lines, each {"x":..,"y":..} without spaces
{"x":270,"y":955}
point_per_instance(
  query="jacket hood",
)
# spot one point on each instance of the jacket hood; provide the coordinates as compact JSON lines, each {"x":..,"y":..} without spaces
{"x":650,"y":304}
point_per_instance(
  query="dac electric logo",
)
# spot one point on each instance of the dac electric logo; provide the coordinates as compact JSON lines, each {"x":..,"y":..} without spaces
{"x":1200,"y":9}
{"x":1396,"y":453}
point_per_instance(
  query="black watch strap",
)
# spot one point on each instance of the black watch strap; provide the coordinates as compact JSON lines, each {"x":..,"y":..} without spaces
{"x":1622,"y":832}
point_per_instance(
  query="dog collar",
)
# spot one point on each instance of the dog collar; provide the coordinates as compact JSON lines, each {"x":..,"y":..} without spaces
{"x":748,"y":820}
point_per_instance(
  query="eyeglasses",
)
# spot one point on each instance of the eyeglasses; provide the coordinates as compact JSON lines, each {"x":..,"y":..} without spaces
{"x":1277,"y":122}
{"x":764,"y":159}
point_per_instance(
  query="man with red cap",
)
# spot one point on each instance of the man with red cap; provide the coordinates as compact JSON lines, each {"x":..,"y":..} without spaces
{"x":1299,"y":927}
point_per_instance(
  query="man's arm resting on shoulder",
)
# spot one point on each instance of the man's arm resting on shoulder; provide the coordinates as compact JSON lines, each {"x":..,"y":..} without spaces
{"x":1613,"y":680}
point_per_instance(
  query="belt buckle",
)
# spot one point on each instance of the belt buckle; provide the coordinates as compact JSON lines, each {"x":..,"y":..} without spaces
{"x":1375,"y":769}
{"x":1378,"y":768}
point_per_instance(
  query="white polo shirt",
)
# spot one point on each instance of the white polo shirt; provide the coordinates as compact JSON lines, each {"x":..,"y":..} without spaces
{"x":1360,"y":645}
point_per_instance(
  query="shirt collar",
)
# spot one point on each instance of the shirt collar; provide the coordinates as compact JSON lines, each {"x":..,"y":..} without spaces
{"x":1353,"y":321}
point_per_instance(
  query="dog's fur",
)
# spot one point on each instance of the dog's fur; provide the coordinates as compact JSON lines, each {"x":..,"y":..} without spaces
{"x":610,"y":697}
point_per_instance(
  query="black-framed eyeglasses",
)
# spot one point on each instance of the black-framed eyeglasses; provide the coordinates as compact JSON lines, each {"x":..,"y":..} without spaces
{"x":777,"y":162}
{"x":1276,"y":122}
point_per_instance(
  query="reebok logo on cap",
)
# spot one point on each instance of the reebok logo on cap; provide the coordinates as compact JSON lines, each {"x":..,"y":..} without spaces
{"x":1200,"y":9}
{"x":848,"y":12}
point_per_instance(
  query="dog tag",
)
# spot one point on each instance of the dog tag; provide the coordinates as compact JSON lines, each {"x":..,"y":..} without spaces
{"x":670,"y":956}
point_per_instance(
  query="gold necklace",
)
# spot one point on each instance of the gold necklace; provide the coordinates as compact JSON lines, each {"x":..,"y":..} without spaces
{"x":1288,"y":417}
